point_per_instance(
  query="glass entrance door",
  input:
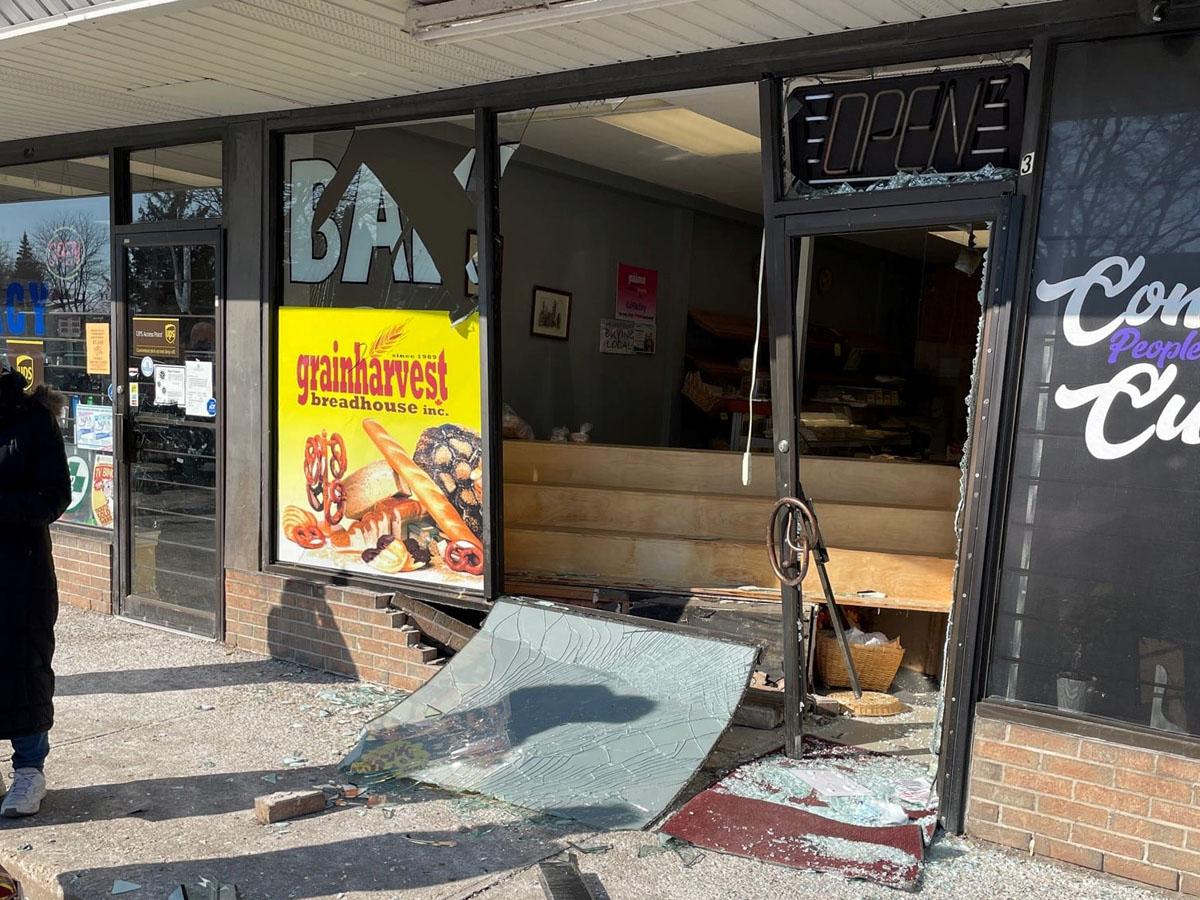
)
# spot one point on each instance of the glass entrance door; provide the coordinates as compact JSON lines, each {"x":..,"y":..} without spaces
{"x":894,"y":324}
{"x":169,"y":450}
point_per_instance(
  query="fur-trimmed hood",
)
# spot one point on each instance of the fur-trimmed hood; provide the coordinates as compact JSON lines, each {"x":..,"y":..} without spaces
{"x":14,"y":401}
{"x":49,"y":398}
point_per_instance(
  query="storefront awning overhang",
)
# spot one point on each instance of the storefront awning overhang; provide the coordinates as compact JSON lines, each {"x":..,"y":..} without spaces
{"x":97,"y":64}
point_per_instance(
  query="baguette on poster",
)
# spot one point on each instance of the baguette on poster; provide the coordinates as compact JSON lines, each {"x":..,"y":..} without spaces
{"x":423,"y":488}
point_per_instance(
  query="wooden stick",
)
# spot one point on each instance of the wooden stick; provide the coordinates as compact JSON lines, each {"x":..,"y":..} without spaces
{"x":423,"y":487}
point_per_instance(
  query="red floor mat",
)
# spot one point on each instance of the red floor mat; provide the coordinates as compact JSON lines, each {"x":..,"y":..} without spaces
{"x":783,"y":822}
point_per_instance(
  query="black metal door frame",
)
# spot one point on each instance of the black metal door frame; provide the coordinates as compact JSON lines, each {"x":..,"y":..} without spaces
{"x":789,"y":240}
{"x":126,"y":238}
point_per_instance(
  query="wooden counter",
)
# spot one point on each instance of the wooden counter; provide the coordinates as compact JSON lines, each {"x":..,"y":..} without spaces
{"x":681,"y":520}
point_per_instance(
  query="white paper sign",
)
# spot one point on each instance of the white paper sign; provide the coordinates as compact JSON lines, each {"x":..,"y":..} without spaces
{"x":169,"y":386}
{"x":620,"y":336}
{"x":199,"y":389}
{"x":831,"y":784}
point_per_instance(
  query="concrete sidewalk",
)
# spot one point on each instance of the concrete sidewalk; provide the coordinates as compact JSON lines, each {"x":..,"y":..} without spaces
{"x":163,"y":742}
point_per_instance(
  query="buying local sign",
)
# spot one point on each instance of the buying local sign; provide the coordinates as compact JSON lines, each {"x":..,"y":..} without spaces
{"x":1117,"y":308}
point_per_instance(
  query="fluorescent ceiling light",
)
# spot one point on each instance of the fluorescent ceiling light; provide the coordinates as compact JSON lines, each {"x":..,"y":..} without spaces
{"x":962,"y":237}
{"x":90,"y":15}
{"x":450,"y":21}
{"x":686,"y":130}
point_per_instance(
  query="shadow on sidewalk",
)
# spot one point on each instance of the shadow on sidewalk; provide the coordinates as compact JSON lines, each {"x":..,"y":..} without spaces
{"x":164,"y":799}
{"x":186,"y":678}
{"x":305,"y":631}
{"x":377,"y":863}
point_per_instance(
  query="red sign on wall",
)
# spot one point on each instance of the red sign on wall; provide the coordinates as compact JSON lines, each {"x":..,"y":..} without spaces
{"x":637,"y":293}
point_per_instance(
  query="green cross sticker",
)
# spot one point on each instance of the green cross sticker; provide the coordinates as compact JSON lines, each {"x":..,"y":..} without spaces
{"x":81,"y":477}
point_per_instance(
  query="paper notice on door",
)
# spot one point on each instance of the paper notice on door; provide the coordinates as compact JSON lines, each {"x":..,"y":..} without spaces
{"x":133,"y":395}
{"x":170,"y":386}
{"x":199,"y":389}
{"x":98,"y":361}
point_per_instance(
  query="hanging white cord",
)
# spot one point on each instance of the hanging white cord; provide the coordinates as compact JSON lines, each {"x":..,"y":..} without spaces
{"x":762,"y":262}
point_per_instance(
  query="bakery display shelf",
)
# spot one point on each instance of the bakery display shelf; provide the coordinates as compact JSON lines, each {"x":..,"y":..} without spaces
{"x":881,"y":580}
{"x":726,"y":325}
{"x":724,"y":370}
{"x":640,"y":517}
{"x":730,"y":405}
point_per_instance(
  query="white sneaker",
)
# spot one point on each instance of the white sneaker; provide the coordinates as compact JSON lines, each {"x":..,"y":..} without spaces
{"x":25,"y":796}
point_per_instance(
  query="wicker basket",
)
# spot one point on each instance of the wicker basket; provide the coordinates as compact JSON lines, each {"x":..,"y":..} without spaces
{"x":877,"y":665}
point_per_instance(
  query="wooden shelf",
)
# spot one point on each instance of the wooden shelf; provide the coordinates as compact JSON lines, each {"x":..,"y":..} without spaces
{"x":649,"y":560}
{"x":827,"y":480}
{"x":681,"y":521}
{"x":723,"y":370}
{"x":709,"y":516}
{"x":726,"y":325}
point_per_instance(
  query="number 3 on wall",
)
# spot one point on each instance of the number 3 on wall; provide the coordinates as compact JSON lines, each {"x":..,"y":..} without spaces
{"x":1027,"y":164}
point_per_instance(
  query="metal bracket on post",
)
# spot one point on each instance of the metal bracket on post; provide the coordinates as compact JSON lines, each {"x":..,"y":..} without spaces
{"x":794,"y":523}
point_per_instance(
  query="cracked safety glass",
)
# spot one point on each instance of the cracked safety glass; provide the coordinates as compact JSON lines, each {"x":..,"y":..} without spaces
{"x":587,"y":718}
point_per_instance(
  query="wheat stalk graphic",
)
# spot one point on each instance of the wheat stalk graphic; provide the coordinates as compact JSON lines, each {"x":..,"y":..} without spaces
{"x":387,"y":341}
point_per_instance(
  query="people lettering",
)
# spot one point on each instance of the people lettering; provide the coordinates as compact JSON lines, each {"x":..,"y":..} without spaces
{"x":1153,"y":365}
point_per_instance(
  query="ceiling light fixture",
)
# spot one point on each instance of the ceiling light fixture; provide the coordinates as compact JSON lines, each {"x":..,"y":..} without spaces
{"x":451,"y":21}
{"x":686,"y":130}
{"x":89,"y":15}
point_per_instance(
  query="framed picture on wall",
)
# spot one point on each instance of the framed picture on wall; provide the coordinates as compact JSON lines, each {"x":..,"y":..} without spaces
{"x":551,"y":313}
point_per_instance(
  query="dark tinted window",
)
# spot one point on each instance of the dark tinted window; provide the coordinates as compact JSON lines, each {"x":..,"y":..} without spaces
{"x":1097,"y":609}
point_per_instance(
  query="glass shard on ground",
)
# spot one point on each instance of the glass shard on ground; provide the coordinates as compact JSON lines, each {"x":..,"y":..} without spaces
{"x":599,"y":720}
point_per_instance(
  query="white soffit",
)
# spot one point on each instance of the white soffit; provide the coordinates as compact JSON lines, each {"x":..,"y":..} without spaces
{"x":90,"y":64}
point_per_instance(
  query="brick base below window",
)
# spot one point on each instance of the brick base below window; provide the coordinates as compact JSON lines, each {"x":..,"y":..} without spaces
{"x":84,"y":569}
{"x":1131,"y":813}
{"x":343,"y":630}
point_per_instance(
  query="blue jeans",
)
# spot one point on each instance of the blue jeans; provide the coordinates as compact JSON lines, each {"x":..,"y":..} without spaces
{"x":31,"y":752}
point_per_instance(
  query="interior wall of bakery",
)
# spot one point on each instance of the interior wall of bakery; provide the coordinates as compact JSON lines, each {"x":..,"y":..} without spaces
{"x":569,"y":231}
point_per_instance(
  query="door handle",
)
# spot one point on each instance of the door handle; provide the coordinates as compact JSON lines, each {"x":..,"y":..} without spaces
{"x":126,"y":440}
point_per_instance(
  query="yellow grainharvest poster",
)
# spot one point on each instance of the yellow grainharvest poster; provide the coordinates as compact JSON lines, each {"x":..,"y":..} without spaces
{"x":379,"y":454}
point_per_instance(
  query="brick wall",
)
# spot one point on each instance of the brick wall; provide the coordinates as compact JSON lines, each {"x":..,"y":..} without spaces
{"x":344,"y":630}
{"x":84,"y":569}
{"x":1131,"y":813}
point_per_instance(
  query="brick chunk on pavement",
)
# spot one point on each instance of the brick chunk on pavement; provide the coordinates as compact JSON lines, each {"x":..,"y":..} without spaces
{"x":284,"y":805}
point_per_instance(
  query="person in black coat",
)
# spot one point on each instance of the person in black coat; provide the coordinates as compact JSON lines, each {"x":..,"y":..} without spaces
{"x":35,"y":489}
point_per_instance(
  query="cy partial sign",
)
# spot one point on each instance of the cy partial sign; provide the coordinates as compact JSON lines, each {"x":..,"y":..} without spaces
{"x":950,"y":122}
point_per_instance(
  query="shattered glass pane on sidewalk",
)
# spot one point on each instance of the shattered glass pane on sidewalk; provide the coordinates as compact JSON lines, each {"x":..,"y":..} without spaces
{"x":597,"y":720}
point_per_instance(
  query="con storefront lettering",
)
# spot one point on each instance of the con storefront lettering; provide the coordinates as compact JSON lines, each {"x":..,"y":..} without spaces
{"x":1137,"y":403}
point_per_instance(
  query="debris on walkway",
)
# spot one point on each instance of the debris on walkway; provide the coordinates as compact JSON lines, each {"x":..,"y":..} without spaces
{"x":9,"y":888}
{"x":284,"y":805}
{"x":837,"y":809}
{"x":555,"y":710}
{"x":561,"y":880}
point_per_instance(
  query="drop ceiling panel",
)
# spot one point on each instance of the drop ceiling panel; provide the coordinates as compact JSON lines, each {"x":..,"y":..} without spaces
{"x":193,"y":58}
